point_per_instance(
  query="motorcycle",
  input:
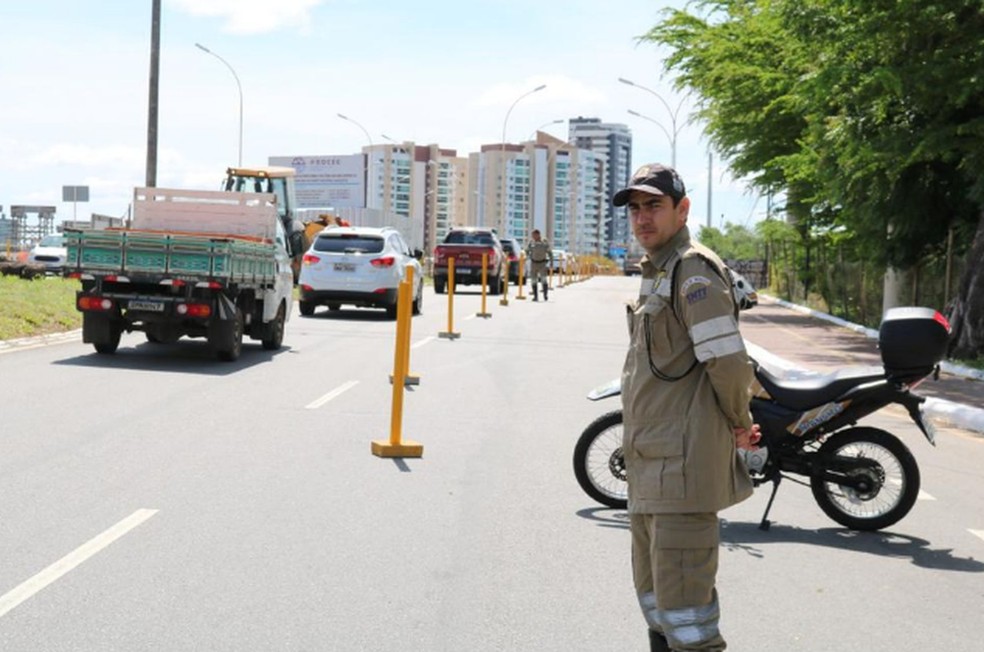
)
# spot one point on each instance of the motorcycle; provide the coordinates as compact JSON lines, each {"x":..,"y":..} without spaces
{"x":861,"y":477}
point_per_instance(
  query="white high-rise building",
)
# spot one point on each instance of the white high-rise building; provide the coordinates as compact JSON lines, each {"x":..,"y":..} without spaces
{"x":614,"y":143}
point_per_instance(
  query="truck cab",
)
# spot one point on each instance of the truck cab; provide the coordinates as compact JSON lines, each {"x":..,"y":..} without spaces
{"x":279,"y":181}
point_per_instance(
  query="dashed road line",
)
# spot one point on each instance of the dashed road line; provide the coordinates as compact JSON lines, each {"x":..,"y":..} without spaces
{"x":52,"y":573}
{"x":422,"y":342}
{"x":977,"y":533}
{"x":338,"y":391}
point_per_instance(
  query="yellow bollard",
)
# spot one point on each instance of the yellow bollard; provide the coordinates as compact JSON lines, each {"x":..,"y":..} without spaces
{"x":450,"y":334}
{"x":396,"y":447}
{"x":522,"y":265}
{"x":409,"y":378}
{"x":504,"y":301}
{"x":485,"y":284}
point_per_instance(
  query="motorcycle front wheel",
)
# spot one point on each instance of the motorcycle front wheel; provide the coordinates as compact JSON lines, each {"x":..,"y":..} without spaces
{"x":598,"y":462}
{"x":888,"y":474}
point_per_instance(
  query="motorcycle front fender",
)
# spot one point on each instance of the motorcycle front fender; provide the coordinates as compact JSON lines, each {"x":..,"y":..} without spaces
{"x":611,"y":388}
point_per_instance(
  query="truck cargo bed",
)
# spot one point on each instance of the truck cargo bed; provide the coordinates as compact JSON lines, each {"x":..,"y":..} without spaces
{"x":136,"y":252}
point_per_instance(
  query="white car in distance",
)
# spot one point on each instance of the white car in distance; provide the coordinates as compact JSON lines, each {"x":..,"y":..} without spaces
{"x":358,"y":266}
{"x":50,"y":252}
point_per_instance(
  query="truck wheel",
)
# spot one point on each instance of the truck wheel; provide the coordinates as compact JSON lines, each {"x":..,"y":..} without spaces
{"x":102,"y":331}
{"x":229,"y":350}
{"x":275,"y":336}
{"x":109,"y":346}
{"x":439,"y":284}
{"x":307,"y":308}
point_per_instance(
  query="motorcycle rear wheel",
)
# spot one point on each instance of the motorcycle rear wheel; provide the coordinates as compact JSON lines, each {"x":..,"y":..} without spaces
{"x":598,"y":462}
{"x":894,"y":480}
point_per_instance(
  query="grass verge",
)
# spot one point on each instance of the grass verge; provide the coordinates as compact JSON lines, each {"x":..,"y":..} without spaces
{"x":37,"y":307}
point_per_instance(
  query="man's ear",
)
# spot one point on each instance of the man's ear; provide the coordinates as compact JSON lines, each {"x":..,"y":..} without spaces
{"x":683,"y":209}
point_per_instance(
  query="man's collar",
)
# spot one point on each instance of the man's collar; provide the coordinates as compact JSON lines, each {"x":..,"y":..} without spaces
{"x":664,"y":253}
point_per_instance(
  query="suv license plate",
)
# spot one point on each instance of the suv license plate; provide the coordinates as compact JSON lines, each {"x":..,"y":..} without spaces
{"x":148,"y":306}
{"x":344,"y":267}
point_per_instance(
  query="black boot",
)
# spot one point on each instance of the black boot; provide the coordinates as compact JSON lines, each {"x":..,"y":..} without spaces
{"x":657,"y":642}
{"x":534,"y":292}
{"x":545,"y":291}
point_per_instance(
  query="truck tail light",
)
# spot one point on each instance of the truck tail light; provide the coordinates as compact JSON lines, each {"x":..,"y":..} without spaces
{"x":94,"y":303}
{"x":385,"y":261}
{"x":308,"y":259}
{"x":194,"y":309}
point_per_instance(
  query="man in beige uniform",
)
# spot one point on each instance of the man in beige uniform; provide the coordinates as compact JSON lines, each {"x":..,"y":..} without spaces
{"x":539,"y":252}
{"x":685,"y":402}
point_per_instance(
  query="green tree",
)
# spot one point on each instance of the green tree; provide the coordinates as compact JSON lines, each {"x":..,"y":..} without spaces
{"x":868,"y":114}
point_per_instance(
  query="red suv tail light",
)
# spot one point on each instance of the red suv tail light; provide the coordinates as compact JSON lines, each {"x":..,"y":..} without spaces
{"x":385,"y":261}
{"x":308,"y":259}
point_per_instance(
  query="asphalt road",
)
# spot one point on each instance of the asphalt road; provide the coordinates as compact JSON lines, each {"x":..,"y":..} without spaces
{"x":159,"y":500}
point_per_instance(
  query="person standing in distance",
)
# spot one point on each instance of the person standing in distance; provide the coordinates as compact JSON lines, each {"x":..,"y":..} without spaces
{"x":539,"y":252}
{"x":685,"y":395}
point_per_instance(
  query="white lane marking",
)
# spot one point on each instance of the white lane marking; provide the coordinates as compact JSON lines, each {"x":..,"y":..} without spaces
{"x":471,"y":316}
{"x":338,"y":391}
{"x":28,"y":588}
{"x":422,"y":342}
{"x":977,"y":533}
{"x":924,"y":496}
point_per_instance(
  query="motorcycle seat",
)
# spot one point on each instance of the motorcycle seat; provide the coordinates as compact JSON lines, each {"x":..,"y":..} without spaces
{"x":806,"y":393}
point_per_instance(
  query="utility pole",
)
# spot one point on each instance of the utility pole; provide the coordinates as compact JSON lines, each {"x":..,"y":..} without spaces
{"x":155,"y":61}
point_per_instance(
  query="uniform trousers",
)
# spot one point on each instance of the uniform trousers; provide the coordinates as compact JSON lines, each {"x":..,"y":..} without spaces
{"x":674,"y":566}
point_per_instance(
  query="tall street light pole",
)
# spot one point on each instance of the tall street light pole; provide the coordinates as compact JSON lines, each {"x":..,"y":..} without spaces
{"x":155,"y":61}
{"x":240,"y":87}
{"x":502,"y":154}
{"x":369,"y":157}
{"x":674,"y":115}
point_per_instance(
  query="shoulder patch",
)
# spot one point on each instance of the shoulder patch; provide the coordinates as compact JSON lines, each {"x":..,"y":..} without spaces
{"x":696,"y":295}
{"x":693,"y":281}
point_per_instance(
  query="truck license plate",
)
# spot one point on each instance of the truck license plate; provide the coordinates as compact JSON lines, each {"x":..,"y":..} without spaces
{"x":344,"y":267}
{"x":148,"y":306}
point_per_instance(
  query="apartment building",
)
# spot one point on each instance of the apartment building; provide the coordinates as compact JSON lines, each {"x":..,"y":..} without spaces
{"x":614,"y":143}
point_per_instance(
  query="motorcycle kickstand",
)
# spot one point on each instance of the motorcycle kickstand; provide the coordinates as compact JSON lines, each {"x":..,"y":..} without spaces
{"x":766,"y":523}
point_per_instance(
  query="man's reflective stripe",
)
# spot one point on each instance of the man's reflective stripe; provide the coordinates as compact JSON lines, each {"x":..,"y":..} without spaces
{"x":711,"y":328}
{"x":719,"y":348}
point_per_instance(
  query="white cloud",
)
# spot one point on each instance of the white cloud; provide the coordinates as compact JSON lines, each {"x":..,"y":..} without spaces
{"x":252,"y":16}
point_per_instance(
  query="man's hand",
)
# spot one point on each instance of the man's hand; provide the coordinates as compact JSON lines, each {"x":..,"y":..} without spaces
{"x":747,"y":438}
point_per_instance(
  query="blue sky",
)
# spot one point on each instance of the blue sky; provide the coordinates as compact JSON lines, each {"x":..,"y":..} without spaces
{"x":74,"y":88}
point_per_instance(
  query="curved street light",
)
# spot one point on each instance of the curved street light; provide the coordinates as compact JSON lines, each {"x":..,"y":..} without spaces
{"x":502,"y":152}
{"x":674,"y":114}
{"x":368,"y":170}
{"x":240,"y":87}
{"x":545,"y":124}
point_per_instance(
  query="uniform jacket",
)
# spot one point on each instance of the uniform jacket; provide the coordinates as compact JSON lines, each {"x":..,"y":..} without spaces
{"x":685,"y":385}
{"x":539,"y":252}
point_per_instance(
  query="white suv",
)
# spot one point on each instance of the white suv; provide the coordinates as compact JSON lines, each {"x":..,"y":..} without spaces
{"x":359,"y":266}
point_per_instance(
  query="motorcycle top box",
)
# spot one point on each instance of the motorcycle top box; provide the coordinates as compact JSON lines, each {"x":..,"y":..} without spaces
{"x":912,"y":342}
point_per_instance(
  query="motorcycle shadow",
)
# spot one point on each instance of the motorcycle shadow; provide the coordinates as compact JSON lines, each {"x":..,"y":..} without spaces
{"x":747,"y":537}
{"x":606,"y":516}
